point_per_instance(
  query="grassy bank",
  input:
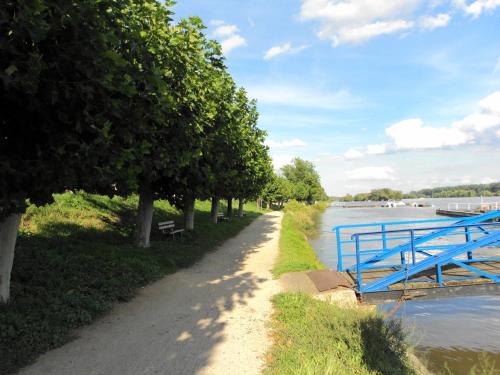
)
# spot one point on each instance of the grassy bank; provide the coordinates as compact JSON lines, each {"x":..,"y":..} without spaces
{"x":315,"y":337}
{"x":74,"y":260}
{"x":296,"y":254}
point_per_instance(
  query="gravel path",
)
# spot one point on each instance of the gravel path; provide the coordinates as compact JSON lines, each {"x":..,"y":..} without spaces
{"x":208,"y":319}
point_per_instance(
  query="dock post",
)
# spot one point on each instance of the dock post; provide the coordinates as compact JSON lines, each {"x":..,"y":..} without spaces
{"x":467,"y":239}
{"x":439,"y":275}
{"x":412,"y":243}
{"x":358,"y":261}
{"x":339,"y":250}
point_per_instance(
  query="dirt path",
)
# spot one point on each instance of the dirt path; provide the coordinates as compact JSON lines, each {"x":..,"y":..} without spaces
{"x":208,"y":319}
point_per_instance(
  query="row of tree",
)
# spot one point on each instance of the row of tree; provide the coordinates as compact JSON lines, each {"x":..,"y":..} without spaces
{"x":112,"y":97}
{"x":299,"y":181}
{"x":384,"y":194}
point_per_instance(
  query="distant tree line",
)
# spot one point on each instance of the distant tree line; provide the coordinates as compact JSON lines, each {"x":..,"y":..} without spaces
{"x":485,"y":190}
{"x":384,"y":194}
{"x":299,"y":181}
{"x":113,"y":97}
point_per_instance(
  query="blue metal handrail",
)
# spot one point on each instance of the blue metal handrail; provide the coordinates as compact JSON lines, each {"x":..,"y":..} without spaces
{"x":385,"y":226}
{"x":414,"y":249}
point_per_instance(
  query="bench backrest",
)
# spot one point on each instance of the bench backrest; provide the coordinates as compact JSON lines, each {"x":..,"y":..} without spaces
{"x":166,"y":225}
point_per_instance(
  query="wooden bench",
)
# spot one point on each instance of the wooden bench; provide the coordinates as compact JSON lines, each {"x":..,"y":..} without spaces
{"x":221,"y":217}
{"x":168,"y":227}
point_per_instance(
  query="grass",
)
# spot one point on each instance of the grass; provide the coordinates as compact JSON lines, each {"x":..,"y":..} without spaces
{"x":315,"y":337}
{"x":74,"y":260}
{"x":296,"y":254}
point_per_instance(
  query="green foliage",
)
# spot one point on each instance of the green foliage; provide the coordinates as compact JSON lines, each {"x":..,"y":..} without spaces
{"x":296,"y":254}
{"x":484,"y":190}
{"x":278,"y":189}
{"x":306,"y":181}
{"x":316,"y":337}
{"x":73,"y":262}
{"x":384,"y":194}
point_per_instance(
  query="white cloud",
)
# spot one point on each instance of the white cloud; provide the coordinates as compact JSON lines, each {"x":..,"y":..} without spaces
{"x":371,"y":173}
{"x":412,"y":134}
{"x":376,"y":149}
{"x":481,"y":127}
{"x":477,"y":7}
{"x":228,"y":36}
{"x":363,"y":33}
{"x":433,"y":22}
{"x":225,"y":31}
{"x":279,"y":160}
{"x":357,"y":21}
{"x":286,"y":48}
{"x":298,"y":96}
{"x":354,"y":21}
{"x":286,"y":143}
{"x":353,"y":154}
{"x":232,"y":43}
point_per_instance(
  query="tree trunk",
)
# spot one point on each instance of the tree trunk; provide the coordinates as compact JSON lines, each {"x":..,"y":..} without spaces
{"x":214,"y":210}
{"x":144,"y":216}
{"x":229,"y":207}
{"x":241,"y":201}
{"x":189,"y":214}
{"x":8,"y":236}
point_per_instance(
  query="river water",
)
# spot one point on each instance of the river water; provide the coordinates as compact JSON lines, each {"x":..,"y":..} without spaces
{"x":451,"y":335}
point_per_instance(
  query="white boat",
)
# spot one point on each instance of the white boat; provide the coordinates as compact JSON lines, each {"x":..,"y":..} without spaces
{"x":393,"y":203}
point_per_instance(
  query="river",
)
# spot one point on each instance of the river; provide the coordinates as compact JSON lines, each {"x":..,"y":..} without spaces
{"x":451,"y":335}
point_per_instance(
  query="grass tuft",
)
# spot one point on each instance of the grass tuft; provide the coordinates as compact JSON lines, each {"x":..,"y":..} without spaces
{"x":315,"y":337}
{"x":74,"y":260}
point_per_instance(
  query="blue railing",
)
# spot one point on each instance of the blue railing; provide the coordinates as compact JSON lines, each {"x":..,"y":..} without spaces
{"x":344,"y":239}
{"x":416,"y":244}
{"x":490,"y":231}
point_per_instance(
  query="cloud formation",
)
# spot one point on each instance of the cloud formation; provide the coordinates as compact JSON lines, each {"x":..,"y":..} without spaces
{"x":285,"y":49}
{"x":480,"y":127}
{"x":228,"y":35}
{"x":300,"y":96}
{"x":384,"y":173}
{"x":286,"y":143}
{"x":357,"y":21}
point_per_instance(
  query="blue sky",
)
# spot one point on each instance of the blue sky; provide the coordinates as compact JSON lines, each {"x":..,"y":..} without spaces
{"x":387,"y":93}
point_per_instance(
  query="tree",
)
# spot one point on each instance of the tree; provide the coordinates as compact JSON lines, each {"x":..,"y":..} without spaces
{"x":278,"y":190}
{"x":55,"y":69}
{"x":306,"y":181}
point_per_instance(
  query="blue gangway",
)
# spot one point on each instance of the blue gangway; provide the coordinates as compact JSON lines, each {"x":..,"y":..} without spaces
{"x":404,"y":249}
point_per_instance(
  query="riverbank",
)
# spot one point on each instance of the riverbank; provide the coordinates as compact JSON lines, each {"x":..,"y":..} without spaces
{"x":74,"y":261}
{"x":312,"y":336}
{"x":299,"y":222}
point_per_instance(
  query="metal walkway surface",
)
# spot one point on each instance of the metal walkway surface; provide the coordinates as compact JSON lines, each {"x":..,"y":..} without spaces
{"x":424,"y":257}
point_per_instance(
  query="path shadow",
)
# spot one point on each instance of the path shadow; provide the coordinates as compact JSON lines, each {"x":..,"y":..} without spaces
{"x":182,"y":348}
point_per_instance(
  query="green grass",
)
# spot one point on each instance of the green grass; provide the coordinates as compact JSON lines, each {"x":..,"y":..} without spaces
{"x":74,"y":260}
{"x":296,"y":254}
{"x":315,"y":337}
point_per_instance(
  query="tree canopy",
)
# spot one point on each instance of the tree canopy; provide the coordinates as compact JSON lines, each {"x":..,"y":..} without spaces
{"x":113,"y":97}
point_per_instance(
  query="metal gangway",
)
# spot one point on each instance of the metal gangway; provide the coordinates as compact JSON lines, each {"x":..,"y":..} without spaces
{"x":421,"y":258}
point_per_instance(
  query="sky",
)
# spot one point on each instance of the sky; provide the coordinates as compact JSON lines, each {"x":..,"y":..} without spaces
{"x":388,"y":93}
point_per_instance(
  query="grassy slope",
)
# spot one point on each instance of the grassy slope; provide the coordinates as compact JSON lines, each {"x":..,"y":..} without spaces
{"x":74,"y":261}
{"x":314,"y":337}
{"x":296,"y":254}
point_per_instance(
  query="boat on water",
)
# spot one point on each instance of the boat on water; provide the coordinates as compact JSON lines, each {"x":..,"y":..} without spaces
{"x":393,"y":203}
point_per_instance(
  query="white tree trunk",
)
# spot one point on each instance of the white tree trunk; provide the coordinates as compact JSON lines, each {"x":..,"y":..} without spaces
{"x":241,"y":202}
{"x":189,"y":214}
{"x":144,"y":216}
{"x":214,"y":210}
{"x":229,"y":213}
{"x":8,"y":236}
